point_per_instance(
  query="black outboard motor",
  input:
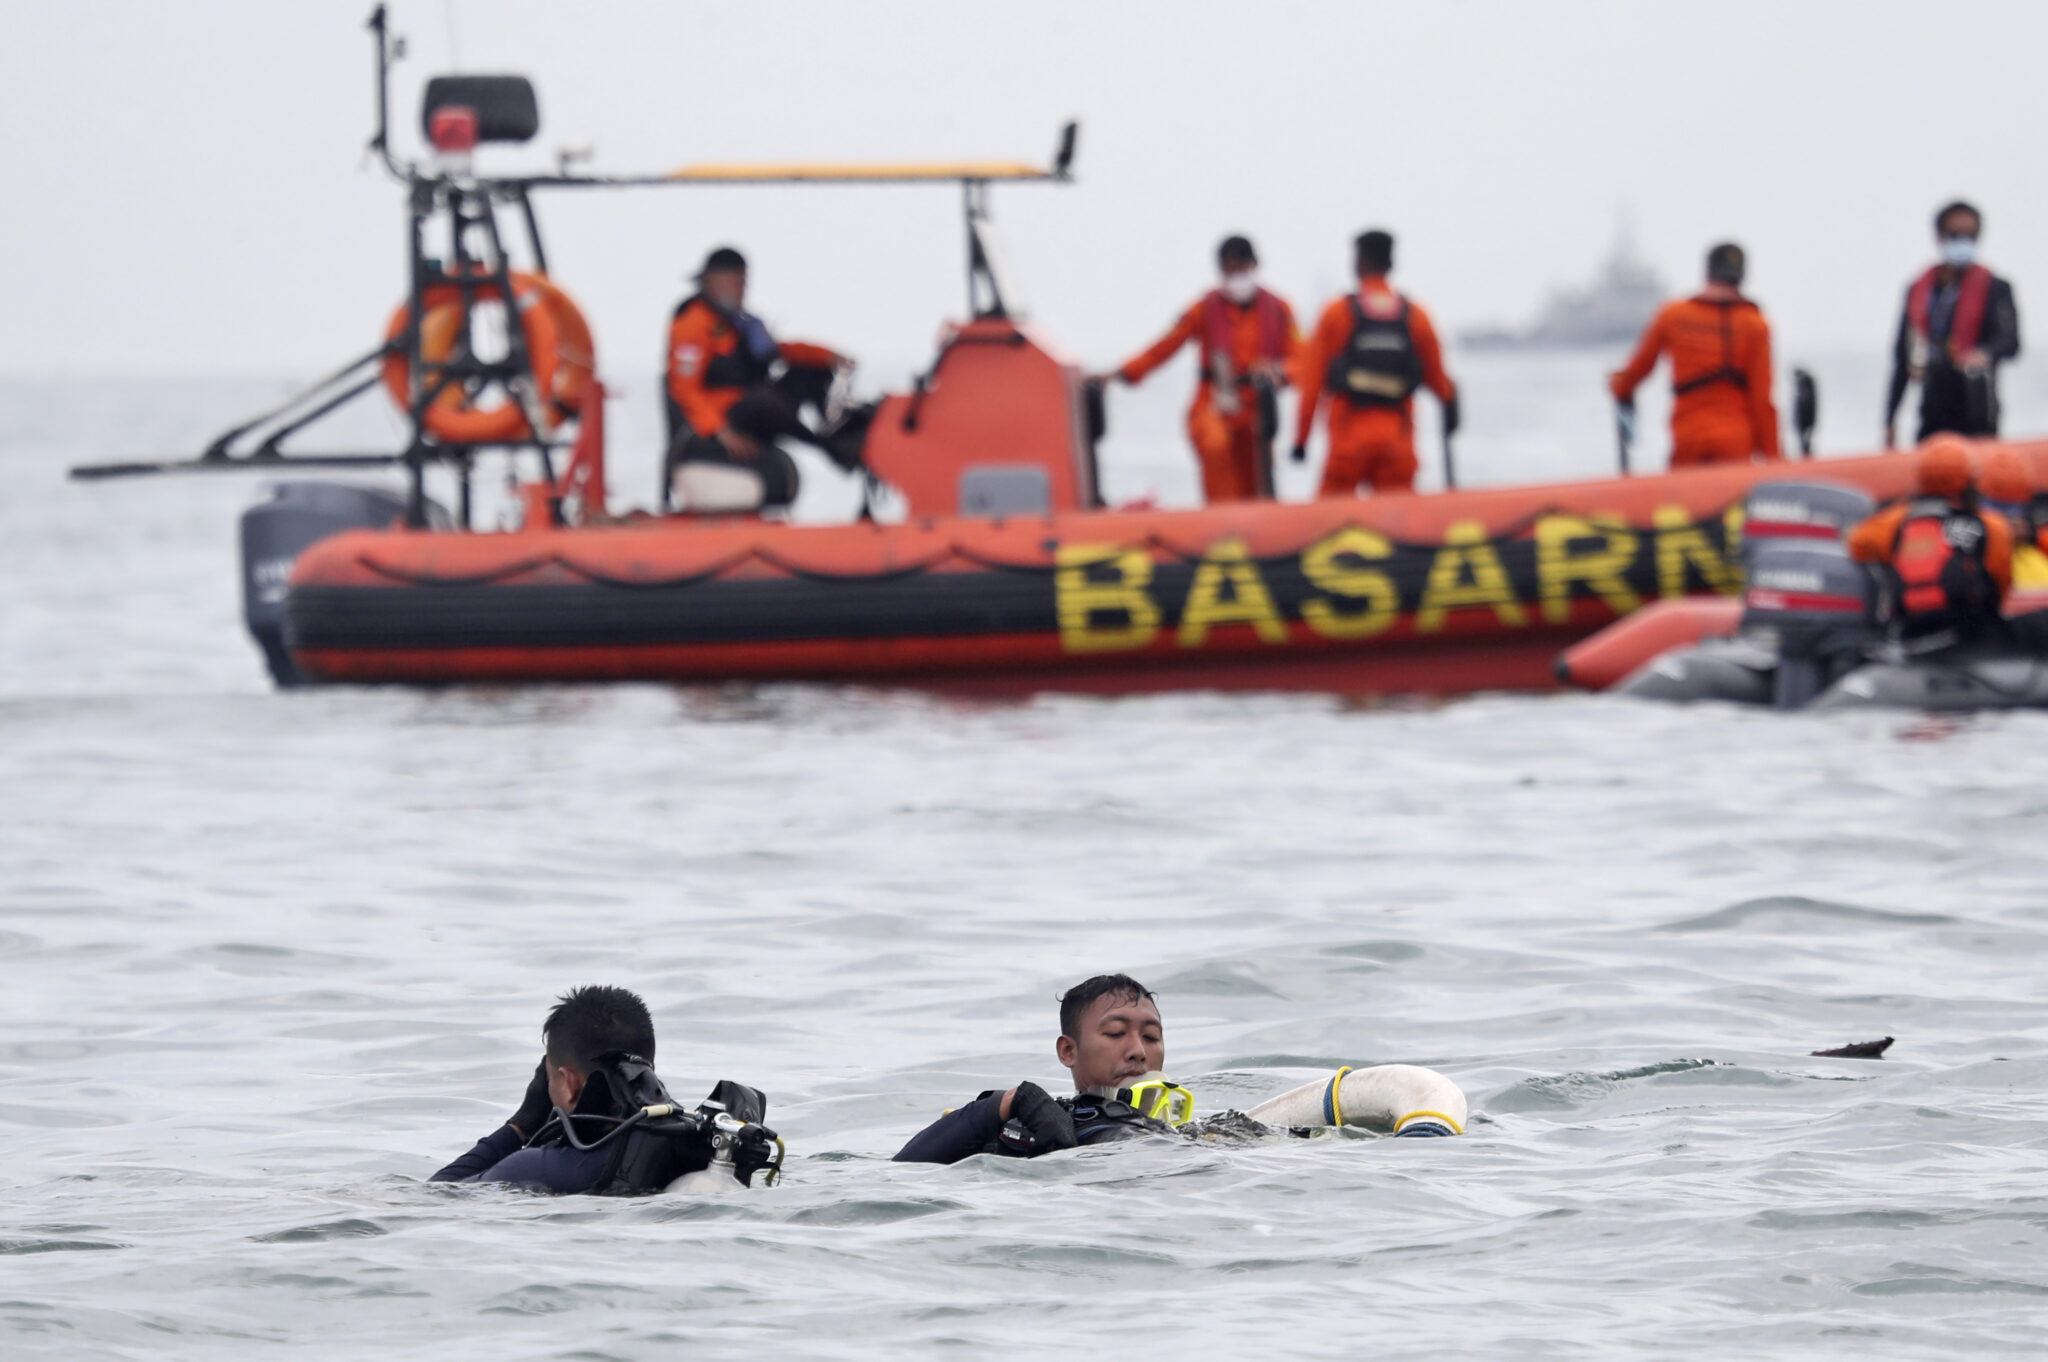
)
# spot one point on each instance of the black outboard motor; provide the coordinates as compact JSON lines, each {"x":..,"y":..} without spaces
{"x":1804,"y":597}
{"x":1801,"y":512}
{"x":277,"y":531}
{"x":1816,"y":607}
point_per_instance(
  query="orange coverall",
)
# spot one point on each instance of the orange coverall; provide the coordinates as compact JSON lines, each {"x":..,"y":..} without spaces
{"x":1711,"y":342}
{"x":1368,"y":443}
{"x":1226,"y":443}
{"x":1872,"y":541}
{"x":700,"y":334}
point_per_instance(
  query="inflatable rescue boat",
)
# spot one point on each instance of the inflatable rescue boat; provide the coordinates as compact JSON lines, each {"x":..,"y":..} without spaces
{"x":1000,"y":569}
{"x":1440,"y":593}
{"x":1808,"y":630}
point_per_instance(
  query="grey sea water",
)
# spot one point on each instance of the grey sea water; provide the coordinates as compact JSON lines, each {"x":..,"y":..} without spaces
{"x":268,"y":960}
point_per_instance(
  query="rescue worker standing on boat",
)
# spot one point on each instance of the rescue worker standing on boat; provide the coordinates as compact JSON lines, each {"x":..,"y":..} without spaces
{"x":1369,"y":353}
{"x":1247,"y":338}
{"x":731,"y":390}
{"x":1720,"y":349}
{"x":1958,"y":324}
{"x":1950,"y":566}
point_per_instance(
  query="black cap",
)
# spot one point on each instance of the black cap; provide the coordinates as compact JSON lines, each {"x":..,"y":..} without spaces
{"x":1236,"y":250}
{"x":724,"y":258}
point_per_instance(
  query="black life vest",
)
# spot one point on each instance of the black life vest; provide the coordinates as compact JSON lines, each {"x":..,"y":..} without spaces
{"x":1938,"y":563}
{"x":648,"y":1152}
{"x":1378,"y":366}
{"x":1727,"y":373}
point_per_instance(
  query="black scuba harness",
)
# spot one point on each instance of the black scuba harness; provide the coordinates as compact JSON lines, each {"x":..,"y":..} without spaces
{"x":653,"y":1139}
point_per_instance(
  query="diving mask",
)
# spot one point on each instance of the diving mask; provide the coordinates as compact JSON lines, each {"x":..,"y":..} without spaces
{"x":1159,"y":1098}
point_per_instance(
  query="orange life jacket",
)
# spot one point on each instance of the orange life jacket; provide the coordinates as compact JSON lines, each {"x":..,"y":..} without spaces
{"x":1938,"y":555}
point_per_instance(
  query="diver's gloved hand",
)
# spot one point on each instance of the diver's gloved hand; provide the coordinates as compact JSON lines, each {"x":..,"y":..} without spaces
{"x":1298,"y":454}
{"x":536,"y":1107}
{"x":1453,"y":414}
{"x":1037,"y":1125}
{"x":755,"y":1148}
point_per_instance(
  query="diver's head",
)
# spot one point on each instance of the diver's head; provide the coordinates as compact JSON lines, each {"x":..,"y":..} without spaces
{"x":586,"y":1023}
{"x":1110,"y":1032}
{"x":724,"y":277}
{"x":1944,"y":468}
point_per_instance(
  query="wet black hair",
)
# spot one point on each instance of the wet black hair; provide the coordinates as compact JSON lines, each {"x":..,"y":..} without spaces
{"x":1374,"y":251}
{"x":1075,"y":1002}
{"x":1726,"y":263}
{"x":1958,"y":206}
{"x":589,"y":1021}
{"x":1236,"y":250}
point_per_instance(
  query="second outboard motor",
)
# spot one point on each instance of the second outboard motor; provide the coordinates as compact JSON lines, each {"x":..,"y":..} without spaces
{"x":1800,"y":511}
{"x":277,"y":531}
{"x":1816,"y":607}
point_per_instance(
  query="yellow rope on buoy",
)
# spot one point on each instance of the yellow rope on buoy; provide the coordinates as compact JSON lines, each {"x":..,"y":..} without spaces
{"x":1333,"y":1106}
{"x":1456,"y":1129}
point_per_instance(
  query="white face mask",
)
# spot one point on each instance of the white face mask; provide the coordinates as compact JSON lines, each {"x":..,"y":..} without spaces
{"x":1959,"y":250}
{"x":1241,"y":287}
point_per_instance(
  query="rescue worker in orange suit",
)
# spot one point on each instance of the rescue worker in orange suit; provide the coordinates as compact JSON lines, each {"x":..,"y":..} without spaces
{"x":731,"y":390}
{"x":1720,"y":349}
{"x":1247,"y":338}
{"x":1369,"y":353}
{"x":1958,"y":324}
{"x":1950,"y":566}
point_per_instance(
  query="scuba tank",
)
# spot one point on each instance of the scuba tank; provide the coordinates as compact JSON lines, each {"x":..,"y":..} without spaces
{"x":655,"y":1143}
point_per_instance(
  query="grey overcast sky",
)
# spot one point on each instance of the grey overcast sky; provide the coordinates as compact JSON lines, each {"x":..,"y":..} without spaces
{"x":188,"y":190}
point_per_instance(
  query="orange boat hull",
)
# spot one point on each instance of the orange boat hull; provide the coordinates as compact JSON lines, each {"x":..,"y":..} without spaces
{"x":1444,"y":593}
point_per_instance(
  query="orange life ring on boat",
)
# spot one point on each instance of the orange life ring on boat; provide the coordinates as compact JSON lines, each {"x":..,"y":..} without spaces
{"x":558,"y":342}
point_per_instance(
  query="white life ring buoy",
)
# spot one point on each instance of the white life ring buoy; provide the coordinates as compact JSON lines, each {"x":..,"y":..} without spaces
{"x":1402,"y":1098}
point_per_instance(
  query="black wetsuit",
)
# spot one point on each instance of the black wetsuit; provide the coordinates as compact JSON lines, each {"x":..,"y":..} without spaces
{"x":501,"y":1157}
{"x":630,"y":1157}
{"x":1946,"y":403}
{"x":1035,"y":1128}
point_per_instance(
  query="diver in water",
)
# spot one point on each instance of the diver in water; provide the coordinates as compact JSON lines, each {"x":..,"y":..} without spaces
{"x":1113,"y":1041}
{"x":596,"y":1119}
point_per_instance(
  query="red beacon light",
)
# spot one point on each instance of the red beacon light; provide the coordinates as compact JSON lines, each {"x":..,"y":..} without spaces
{"x":453,"y":130}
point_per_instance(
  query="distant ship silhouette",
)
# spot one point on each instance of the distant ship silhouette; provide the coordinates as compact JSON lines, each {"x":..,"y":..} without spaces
{"x":1612,"y":310}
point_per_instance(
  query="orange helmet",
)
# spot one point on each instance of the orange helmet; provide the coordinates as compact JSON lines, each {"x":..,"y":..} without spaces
{"x":2005,"y":478}
{"x":1944,"y":469}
